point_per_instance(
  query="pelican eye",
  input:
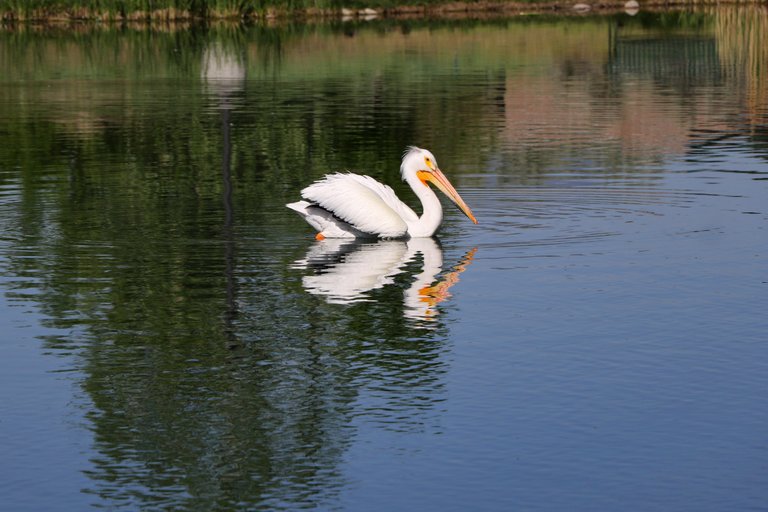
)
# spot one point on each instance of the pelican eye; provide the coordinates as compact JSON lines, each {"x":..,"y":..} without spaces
{"x":429,"y":162}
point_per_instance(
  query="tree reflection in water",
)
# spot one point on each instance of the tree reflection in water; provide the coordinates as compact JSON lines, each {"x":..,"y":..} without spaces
{"x":217,"y":382}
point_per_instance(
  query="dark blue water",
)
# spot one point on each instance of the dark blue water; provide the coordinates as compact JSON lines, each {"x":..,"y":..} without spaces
{"x":174,"y":337}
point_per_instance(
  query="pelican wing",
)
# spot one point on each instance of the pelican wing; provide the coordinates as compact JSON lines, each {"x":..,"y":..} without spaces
{"x":361,"y":202}
{"x":387,"y":195}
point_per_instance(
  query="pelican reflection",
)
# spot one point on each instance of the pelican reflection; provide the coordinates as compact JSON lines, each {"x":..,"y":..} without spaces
{"x":346,"y":271}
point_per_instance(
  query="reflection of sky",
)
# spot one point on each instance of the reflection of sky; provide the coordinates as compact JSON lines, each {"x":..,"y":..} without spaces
{"x":45,"y":447}
{"x":620,"y":366}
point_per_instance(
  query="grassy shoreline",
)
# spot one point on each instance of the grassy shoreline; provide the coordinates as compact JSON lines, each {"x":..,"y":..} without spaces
{"x":191,"y":10}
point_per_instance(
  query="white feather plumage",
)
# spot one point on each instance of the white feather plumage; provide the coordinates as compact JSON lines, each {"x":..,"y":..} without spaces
{"x":348,"y":205}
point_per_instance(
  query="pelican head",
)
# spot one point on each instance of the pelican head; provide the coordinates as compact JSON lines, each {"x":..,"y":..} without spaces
{"x":420,"y":165}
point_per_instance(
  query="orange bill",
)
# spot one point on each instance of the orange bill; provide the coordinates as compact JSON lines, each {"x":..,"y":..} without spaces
{"x":438,"y":178}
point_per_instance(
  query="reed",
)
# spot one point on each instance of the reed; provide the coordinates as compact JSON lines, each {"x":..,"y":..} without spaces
{"x":146,"y":9}
{"x":180,"y":10}
{"x":174,"y":10}
{"x":742,"y":33}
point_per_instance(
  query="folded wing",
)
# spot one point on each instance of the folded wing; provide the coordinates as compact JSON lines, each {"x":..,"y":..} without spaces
{"x":361,"y":202}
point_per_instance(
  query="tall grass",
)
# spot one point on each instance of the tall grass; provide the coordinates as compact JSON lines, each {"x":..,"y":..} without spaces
{"x":151,"y":9}
{"x":191,"y":9}
{"x":233,"y":9}
{"x":742,"y":43}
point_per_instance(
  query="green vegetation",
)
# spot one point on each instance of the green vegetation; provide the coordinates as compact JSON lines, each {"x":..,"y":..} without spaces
{"x":177,"y":10}
{"x":174,"y":9}
{"x":145,"y":9}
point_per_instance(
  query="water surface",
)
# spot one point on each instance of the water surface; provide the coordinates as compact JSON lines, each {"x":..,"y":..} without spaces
{"x":174,"y":338}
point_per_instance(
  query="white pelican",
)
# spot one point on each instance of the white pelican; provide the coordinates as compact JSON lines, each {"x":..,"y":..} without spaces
{"x":348,"y":205}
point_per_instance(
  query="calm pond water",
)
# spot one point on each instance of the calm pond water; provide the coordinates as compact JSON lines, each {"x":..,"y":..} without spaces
{"x":174,"y":338}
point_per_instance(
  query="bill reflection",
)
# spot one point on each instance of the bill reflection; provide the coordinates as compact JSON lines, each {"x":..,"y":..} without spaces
{"x":347,"y":271}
